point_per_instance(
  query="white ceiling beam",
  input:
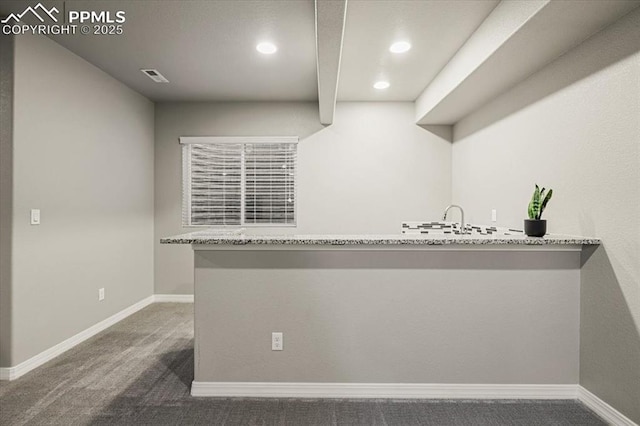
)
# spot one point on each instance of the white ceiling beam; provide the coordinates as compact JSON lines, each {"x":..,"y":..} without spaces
{"x":505,"y":20}
{"x":517,"y":39}
{"x":330,"y":23}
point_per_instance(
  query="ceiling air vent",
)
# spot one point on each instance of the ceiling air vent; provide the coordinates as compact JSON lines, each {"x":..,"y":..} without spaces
{"x":155,"y":76}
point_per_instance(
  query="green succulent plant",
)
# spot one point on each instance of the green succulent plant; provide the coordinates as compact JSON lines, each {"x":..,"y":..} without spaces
{"x":539,"y":202}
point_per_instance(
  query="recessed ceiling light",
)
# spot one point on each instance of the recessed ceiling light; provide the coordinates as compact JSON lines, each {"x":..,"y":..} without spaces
{"x":400,"y":47}
{"x":266,"y":48}
{"x":381,"y":85}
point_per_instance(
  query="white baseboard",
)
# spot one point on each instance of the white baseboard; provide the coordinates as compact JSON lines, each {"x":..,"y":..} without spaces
{"x":384,"y":390}
{"x":5,"y":373}
{"x":12,"y":373}
{"x":335,"y":390}
{"x":411,"y":391}
{"x":173,"y":298}
{"x":603,"y":409}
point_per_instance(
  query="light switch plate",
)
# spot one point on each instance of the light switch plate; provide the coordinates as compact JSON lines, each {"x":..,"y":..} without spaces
{"x":35,"y":216}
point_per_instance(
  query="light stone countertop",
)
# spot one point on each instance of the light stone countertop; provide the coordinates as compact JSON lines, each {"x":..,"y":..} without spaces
{"x":215,"y":237}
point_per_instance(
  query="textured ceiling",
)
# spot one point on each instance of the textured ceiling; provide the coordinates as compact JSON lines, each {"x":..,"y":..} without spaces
{"x":435,"y":29}
{"x":206,"y":48}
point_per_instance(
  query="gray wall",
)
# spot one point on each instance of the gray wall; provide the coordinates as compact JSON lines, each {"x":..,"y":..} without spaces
{"x":83,"y":154}
{"x":6,"y":197}
{"x":388,"y":316}
{"x":366,"y":173}
{"x":574,"y":126}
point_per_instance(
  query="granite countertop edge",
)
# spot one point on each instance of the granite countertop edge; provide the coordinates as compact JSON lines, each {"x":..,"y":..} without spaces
{"x":204,"y":239}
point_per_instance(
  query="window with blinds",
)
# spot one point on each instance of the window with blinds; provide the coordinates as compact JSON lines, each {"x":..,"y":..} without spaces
{"x":238,"y":181}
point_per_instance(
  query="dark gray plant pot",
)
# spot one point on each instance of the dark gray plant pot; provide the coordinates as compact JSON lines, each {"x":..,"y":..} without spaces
{"x":535,"y":227}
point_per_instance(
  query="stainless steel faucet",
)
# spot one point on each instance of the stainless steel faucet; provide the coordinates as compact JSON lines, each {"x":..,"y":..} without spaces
{"x":444,"y":217}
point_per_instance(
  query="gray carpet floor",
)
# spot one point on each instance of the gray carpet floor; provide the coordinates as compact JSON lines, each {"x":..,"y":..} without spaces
{"x":139,"y":372}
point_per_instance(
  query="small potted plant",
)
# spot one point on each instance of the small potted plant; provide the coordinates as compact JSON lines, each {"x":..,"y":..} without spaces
{"x":534,"y":226}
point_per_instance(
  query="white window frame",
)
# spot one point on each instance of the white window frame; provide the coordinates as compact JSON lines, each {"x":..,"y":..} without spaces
{"x":186,"y":183}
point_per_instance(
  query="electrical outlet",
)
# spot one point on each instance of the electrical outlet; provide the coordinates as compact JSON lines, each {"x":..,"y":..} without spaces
{"x":277,"y":341}
{"x":35,"y":216}
{"x":494,"y":215}
{"x":100,"y":294}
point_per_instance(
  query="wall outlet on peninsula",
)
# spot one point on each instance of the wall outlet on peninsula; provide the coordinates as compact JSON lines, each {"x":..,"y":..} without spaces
{"x":277,"y":342}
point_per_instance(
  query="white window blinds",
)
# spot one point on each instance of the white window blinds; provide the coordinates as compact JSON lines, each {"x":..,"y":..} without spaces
{"x":213,"y":174}
{"x":233,"y":181}
{"x":269,"y":192}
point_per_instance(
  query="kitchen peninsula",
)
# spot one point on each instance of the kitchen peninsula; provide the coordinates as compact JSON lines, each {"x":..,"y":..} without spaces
{"x":389,"y":315}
